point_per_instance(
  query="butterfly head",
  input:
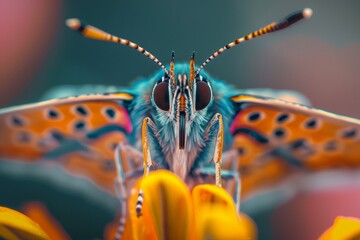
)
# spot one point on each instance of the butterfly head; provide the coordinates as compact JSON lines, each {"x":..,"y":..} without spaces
{"x":182,"y":96}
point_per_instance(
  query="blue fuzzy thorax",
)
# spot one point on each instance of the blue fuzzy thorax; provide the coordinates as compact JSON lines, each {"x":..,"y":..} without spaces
{"x":199,"y":146}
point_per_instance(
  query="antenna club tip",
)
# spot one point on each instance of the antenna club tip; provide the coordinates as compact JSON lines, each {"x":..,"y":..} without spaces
{"x":307,"y":13}
{"x":73,"y":23}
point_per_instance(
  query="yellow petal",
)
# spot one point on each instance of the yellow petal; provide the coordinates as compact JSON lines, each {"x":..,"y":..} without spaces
{"x":248,"y":226}
{"x":169,"y":204}
{"x":14,"y":225}
{"x":216,"y":216}
{"x":140,"y":228}
{"x":344,"y":228}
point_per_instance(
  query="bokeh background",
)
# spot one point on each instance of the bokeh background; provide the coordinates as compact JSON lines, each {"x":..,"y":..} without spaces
{"x":319,"y":57}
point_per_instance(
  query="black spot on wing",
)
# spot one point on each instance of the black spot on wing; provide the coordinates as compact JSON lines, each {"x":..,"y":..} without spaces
{"x":311,"y":123}
{"x":24,"y":137}
{"x":113,"y":146}
{"x":241,"y":151}
{"x":330,"y":146}
{"x":283,"y":117}
{"x":302,"y":147}
{"x":57,"y":135}
{"x":17,"y":121}
{"x":253,"y":117}
{"x":108,"y":165}
{"x":110,"y":112}
{"x":81,"y":111}
{"x":53,"y":114}
{"x":80,"y":125}
{"x":279,"y":132}
{"x":350,"y":133}
{"x":297,"y":144}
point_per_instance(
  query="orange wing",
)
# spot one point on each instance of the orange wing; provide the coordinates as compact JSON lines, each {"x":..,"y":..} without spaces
{"x":272,"y":136}
{"x":80,"y":133}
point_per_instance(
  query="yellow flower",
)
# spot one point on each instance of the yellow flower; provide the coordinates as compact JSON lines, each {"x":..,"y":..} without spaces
{"x":344,"y":228}
{"x":16,"y":226}
{"x":170,"y":211}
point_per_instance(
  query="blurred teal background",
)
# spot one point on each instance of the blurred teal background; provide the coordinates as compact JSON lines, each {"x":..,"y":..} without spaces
{"x":319,"y":57}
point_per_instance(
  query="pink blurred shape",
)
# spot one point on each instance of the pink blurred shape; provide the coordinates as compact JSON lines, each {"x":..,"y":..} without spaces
{"x":28,"y":29}
{"x":309,"y":215}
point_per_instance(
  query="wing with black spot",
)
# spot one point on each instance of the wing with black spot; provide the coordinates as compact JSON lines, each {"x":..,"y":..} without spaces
{"x":271,"y":136}
{"x":78,"y":133}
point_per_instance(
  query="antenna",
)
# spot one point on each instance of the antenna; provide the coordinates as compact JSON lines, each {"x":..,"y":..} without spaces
{"x":172,"y":70}
{"x":192,"y":70}
{"x":92,"y":32}
{"x":272,"y":27}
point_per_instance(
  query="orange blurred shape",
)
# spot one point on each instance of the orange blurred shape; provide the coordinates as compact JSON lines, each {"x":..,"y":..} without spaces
{"x":39,"y":213}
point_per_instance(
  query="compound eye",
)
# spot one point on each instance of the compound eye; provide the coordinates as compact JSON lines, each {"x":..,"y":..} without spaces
{"x":161,"y":96}
{"x":203,"y":95}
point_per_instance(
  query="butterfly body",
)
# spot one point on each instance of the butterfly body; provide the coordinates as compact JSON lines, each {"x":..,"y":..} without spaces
{"x":199,"y":140}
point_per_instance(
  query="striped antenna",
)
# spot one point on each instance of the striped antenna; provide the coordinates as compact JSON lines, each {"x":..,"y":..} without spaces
{"x":192,"y":70}
{"x":172,"y":70}
{"x":92,"y":32}
{"x":272,"y":27}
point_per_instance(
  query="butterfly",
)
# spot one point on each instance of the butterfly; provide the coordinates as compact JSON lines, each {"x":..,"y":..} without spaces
{"x":183,"y":120}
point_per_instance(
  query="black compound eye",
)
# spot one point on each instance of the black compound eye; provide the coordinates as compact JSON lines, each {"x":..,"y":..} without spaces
{"x":203,"y":95}
{"x":161,"y":96}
